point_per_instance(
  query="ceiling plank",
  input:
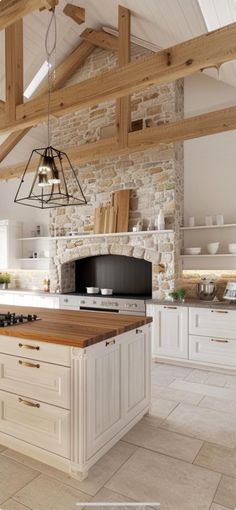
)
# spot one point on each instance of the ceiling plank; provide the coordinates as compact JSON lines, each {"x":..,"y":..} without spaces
{"x":75,"y":12}
{"x":64,"y":71}
{"x":14,"y":10}
{"x":100,"y":38}
{"x":185,"y":129}
{"x":14,"y":68}
{"x":168,"y":65}
{"x":123,"y":109}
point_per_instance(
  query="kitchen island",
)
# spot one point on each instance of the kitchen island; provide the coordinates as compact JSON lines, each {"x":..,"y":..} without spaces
{"x":72,"y":384}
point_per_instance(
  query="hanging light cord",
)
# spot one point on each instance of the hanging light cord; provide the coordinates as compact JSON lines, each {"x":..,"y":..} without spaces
{"x":52,"y":26}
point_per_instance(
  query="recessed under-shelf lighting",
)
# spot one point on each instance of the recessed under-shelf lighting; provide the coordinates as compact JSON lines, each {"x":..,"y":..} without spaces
{"x":38,"y":78}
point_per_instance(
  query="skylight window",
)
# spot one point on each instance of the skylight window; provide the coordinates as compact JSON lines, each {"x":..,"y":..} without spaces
{"x":38,"y":78}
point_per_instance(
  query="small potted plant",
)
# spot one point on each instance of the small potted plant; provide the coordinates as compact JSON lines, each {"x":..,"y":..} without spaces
{"x":178,"y":294}
{"x":4,"y":280}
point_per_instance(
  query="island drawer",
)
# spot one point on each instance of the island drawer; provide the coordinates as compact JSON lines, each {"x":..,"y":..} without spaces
{"x":42,"y":425}
{"x":43,"y":381}
{"x":33,"y":349}
{"x":215,"y":350}
{"x":212,"y":322}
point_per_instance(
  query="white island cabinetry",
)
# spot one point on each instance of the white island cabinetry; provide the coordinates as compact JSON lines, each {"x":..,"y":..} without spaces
{"x":66,"y":406}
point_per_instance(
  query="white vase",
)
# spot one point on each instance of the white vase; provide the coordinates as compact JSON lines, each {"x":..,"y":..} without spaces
{"x":161,"y":220}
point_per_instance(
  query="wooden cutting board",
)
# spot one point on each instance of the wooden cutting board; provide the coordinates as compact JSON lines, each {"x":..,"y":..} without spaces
{"x":99,"y":220}
{"x":120,"y":201}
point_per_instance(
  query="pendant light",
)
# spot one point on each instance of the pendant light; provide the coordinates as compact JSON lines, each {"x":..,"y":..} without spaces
{"x":55,"y":182}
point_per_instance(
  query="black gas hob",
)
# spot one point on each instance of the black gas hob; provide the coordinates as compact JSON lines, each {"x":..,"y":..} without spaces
{"x":12,"y":319}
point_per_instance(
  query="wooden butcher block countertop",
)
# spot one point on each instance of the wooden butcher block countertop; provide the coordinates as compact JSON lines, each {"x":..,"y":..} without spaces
{"x":67,"y":327}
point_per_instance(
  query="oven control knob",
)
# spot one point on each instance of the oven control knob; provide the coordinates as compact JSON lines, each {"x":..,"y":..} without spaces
{"x":94,"y":302}
{"x":82,"y":302}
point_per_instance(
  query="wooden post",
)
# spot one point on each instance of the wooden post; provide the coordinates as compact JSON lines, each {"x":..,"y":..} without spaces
{"x":14,"y":67}
{"x":123,"y":103}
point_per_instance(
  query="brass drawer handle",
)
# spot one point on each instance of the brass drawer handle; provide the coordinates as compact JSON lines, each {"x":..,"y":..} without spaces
{"x":219,"y":311}
{"x":28,"y":403}
{"x":171,"y":307}
{"x":25,"y":346}
{"x":138,"y":331}
{"x":27,"y":364}
{"x":219,"y":341}
{"x":111,"y":342}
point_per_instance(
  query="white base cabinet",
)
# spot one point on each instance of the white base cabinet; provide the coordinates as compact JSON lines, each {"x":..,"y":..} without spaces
{"x":170,"y":330}
{"x":205,"y":336}
{"x":67,"y":406}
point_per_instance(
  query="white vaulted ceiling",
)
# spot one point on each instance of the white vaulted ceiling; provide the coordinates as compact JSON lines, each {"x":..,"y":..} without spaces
{"x":161,"y":22}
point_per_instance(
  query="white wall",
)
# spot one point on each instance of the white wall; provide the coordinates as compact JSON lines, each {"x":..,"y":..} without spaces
{"x":210,"y":162}
{"x":9,"y":210}
{"x":210,"y":168}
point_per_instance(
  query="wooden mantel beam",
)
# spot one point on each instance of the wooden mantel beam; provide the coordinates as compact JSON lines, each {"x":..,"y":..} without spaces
{"x":149,"y":138}
{"x":64,"y":71}
{"x":13,"y":10}
{"x":168,"y":65}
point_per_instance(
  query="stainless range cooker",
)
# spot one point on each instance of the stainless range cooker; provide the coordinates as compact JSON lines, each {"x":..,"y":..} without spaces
{"x":117,"y":304}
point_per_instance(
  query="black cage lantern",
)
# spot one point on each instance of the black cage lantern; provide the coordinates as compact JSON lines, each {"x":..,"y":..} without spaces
{"x":55,"y":182}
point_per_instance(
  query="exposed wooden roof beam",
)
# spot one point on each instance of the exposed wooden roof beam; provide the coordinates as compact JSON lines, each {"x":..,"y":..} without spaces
{"x":14,"y":68}
{"x":14,"y":10}
{"x":75,"y":12}
{"x":123,"y":116}
{"x":63,"y":72}
{"x":100,"y":38}
{"x":149,"y":138}
{"x":168,"y":65}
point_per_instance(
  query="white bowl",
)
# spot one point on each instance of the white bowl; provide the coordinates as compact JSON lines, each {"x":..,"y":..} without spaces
{"x":232,"y":247}
{"x":193,"y":251}
{"x":106,"y":292}
{"x":92,"y":290}
{"x":213,"y":248}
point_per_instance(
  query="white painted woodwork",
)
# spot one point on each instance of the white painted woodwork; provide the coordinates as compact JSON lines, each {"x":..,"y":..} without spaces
{"x":45,"y":426}
{"x":104,"y":394}
{"x":213,"y":350}
{"x":39,"y":351}
{"x":212,"y":322}
{"x":27,"y":299}
{"x":9,"y":247}
{"x":136,"y":359}
{"x":107,"y":387}
{"x":46,"y":382}
{"x":170,"y":331}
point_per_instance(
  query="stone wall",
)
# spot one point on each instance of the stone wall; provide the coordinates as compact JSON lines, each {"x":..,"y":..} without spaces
{"x":154,"y":176}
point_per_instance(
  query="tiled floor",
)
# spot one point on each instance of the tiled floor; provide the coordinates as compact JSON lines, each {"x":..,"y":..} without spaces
{"x":182,"y":454}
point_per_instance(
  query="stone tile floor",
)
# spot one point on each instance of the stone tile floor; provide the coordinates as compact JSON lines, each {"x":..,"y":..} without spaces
{"x":182,"y":454}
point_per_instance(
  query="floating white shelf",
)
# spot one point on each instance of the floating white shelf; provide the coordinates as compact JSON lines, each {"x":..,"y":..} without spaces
{"x":81,"y":236}
{"x":202,"y":227}
{"x":209,"y":255}
{"x":34,"y":258}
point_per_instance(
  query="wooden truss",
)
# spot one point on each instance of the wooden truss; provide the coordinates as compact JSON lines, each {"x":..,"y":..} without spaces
{"x":176,"y":62}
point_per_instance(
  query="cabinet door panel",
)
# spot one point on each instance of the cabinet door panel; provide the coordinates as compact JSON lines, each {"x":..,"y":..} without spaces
{"x":212,"y":322}
{"x":170,"y":331}
{"x":44,"y":426}
{"x":42,"y":381}
{"x":136,"y":370}
{"x":220,"y":351}
{"x":104,"y":411}
{"x":40,"y":351}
